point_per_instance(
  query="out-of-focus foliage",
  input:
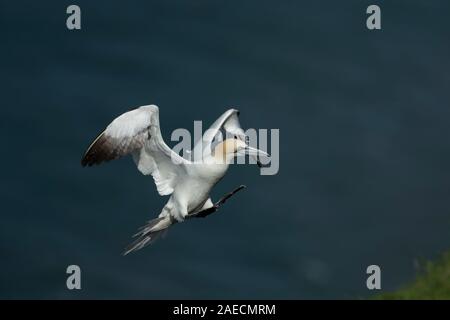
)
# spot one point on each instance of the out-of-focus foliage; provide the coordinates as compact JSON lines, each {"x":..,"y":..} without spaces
{"x":432,"y":283}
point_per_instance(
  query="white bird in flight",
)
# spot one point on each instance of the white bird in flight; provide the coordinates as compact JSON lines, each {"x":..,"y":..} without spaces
{"x":189,"y":183}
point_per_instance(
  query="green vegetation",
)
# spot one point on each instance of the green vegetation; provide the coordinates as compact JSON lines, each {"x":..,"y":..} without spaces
{"x":432,"y":283}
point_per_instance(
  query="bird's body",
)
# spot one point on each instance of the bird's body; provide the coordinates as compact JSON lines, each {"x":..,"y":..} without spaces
{"x":192,"y":191}
{"x":188,"y":183}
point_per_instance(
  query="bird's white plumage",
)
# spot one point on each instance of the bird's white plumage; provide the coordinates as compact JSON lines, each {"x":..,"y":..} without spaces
{"x":229,"y":121}
{"x":138,"y":132}
{"x":130,"y":123}
{"x":155,"y":157}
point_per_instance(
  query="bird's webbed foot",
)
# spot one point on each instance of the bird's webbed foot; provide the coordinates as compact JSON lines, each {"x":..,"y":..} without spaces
{"x":216,"y":206}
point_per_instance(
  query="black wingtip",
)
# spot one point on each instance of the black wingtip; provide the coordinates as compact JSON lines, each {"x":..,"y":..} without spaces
{"x":84,"y":162}
{"x":98,"y":152}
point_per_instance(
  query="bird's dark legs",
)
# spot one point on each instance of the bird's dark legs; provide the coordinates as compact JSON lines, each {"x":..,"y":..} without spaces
{"x":207,"y":212}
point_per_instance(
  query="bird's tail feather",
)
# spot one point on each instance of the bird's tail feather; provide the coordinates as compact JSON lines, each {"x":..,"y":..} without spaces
{"x":149,"y":233}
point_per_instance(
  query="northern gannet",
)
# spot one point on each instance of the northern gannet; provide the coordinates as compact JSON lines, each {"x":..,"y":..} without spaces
{"x":137,"y":132}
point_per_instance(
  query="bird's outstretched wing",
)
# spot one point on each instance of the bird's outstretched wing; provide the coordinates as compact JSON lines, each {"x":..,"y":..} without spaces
{"x":229,"y":122}
{"x":137,"y":132}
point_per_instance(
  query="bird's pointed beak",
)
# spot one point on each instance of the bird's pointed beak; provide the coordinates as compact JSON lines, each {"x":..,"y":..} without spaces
{"x":258,"y":162}
{"x":255,"y":152}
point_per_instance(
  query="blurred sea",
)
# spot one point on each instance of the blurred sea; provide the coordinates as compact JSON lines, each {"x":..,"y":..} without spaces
{"x":364,"y":157}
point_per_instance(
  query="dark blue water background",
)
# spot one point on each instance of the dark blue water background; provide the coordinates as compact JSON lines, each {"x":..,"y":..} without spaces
{"x":364,"y":127}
